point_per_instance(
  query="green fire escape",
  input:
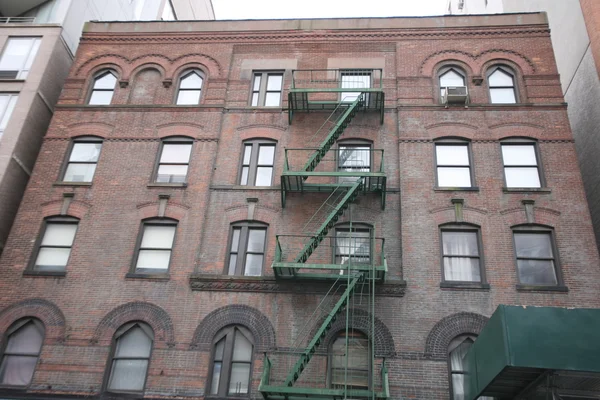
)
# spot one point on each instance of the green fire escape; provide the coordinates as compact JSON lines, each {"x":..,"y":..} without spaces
{"x":352,"y":260}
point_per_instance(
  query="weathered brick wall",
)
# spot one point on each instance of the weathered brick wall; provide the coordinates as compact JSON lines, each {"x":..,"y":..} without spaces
{"x":415,"y":325}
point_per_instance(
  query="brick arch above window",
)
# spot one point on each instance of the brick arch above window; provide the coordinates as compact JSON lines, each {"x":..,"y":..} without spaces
{"x":47,"y":312}
{"x":153,"y":315}
{"x":448,"y":328}
{"x":207,"y":64}
{"x":360,"y":321}
{"x":236,"y":314}
{"x":105,"y":61}
{"x":101,"y":130}
{"x":436,"y":61}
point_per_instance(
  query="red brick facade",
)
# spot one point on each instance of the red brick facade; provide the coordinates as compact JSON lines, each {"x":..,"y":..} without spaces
{"x":416,"y":318}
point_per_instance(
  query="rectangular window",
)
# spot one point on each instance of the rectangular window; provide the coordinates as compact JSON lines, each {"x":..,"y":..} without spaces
{"x":155,"y":248}
{"x":453,"y":165}
{"x":535,"y":258}
{"x":174,"y":162}
{"x":83,"y":160}
{"x":7,"y":105}
{"x":247,"y":250}
{"x":352,"y":246}
{"x":521,"y":166}
{"x":266,"y":89}
{"x":257,"y":164}
{"x":353,"y":158}
{"x":18,"y":56}
{"x":354,"y":80}
{"x":460,"y":255}
{"x":55,"y":246}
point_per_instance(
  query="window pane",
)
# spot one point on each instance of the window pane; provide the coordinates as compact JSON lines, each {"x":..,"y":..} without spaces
{"x":274,"y":82}
{"x":191,"y":81}
{"x":273,"y":99}
{"x":266,"y":155}
{"x":27,"y":340}
{"x":264,"y":176}
{"x":462,"y":269}
{"x":354,"y":156}
{"x":457,"y":355}
{"x":454,"y":177}
{"x":460,"y":243}
{"x":536,"y":245}
{"x":188,"y":97}
{"x":255,"y":99}
{"x":253,"y":265}
{"x":519,"y":155}
{"x":232,"y":264}
{"x":452,"y":78}
{"x":52,"y":259}
{"x":502,"y":96}
{"x":256,"y":86}
{"x":240,"y":377}
{"x":86,"y":152}
{"x":106,"y":81}
{"x":158,"y":237}
{"x":536,"y":272}
{"x":101,"y":97}
{"x":256,"y":240}
{"x":247,"y":154}
{"x":216,"y":377}
{"x":500,"y":78}
{"x":235,"y":239}
{"x":7,"y":107}
{"x":59,"y":234}
{"x":80,"y":172}
{"x":356,"y":81}
{"x":219,"y":350}
{"x":153,"y":259}
{"x":171,"y":173}
{"x":134,"y":343}
{"x":522,"y":177}
{"x":452,"y":155}
{"x":15,"y":53}
{"x":242,"y":350}
{"x":244,"y":177}
{"x":128,"y":375}
{"x":458,"y":386}
{"x":17,"y":370}
{"x":34,"y":49}
{"x":176,"y":153}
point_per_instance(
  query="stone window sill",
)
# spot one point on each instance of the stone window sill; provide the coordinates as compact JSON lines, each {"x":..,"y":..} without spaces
{"x":540,"y":288}
{"x":167,"y":185}
{"x":48,"y":274}
{"x":63,"y":183}
{"x":465,"y":285}
{"x":526,"y":190}
{"x":153,"y":277}
{"x":456,"y":189}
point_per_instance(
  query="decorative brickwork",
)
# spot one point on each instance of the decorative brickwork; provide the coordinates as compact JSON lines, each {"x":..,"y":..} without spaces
{"x":439,"y":338}
{"x":44,"y":310}
{"x":237,"y":314}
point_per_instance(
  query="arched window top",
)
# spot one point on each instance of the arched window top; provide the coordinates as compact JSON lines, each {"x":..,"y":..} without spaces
{"x":190,"y":87}
{"x":501,"y":83}
{"x":452,"y":76}
{"x":103,"y":87}
{"x":130,"y":358}
{"x":23,"y":346}
{"x":233,"y":350}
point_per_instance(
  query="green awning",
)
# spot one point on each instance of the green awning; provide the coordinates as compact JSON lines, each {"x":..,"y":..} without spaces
{"x":523,"y":349}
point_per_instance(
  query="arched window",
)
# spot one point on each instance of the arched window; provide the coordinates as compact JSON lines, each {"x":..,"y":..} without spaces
{"x":103,"y":88}
{"x":456,"y":365}
{"x":349,"y":361}
{"x":501,"y":82}
{"x":232,"y":358}
{"x":190,"y":87}
{"x":24,"y":341}
{"x":128,"y":366}
{"x":451,"y":77}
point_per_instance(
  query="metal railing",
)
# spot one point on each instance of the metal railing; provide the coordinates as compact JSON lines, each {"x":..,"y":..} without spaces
{"x":339,"y":79}
{"x":345,"y":158}
{"x":17,"y":20}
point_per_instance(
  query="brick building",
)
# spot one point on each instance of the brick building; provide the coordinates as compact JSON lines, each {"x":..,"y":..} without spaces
{"x":353,"y":198}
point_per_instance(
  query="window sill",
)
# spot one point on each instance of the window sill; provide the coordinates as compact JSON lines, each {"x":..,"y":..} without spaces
{"x":465,"y":285}
{"x":540,"y":288}
{"x":64,"y":183}
{"x":526,"y":190}
{"x":12,"y":80}
{"x":163,"y":185}
{"x":456,"y":189}
{"x":245,"y":187}
{"x":121,"y":395}
{"x":49,"y":274}
{"x":216,"y":397}
{"x":153,"y":277}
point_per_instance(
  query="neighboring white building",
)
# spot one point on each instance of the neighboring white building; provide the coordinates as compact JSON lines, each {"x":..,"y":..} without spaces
{"x":456,"y":7}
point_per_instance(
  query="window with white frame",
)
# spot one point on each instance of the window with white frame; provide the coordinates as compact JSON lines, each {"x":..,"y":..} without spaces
{"x":17,"y":57}
{"x":7,"y":105}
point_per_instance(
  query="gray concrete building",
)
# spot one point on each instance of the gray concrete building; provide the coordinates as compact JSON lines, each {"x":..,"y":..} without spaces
{"x":38,"y":40}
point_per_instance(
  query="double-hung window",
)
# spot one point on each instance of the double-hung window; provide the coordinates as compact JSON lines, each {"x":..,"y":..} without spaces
{"x":174,"y":160}
{"x":537,"y":263}
{"x":257,"y":163}
{"x":247,"y":249}
{"x":155,"y":246}
{"x":353,"y":157}
{"x":7,"y":105}
{"x":17,"y":57}
{"x":521,"y":165}
{"x":453,"y":165}
{"x":461,"y":255}
{"x":354,"y":79}
{"x":353,"y":244}
{"x":266,"y":89}
{"x":83,"y":159}
{"x":54,"y":248}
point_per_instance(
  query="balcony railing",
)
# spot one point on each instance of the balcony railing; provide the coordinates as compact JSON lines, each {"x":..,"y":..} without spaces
{"x":337,"y":79}
{"x":17,"y":20}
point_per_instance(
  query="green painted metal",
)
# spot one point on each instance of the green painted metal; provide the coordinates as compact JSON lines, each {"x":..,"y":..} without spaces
{"x":314,"y":344}
{"x":519,"y":343}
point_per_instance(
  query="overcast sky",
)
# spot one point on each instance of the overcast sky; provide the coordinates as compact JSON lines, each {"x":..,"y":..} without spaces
{"x":291,"y":9}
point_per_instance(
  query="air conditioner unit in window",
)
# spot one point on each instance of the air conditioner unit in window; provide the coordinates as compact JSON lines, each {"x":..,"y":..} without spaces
{"x":456,"y":95}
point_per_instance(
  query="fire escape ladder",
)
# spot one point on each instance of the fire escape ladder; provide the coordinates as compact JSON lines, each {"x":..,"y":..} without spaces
{"x":331,"y":219}
{"x":316,"y":341}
